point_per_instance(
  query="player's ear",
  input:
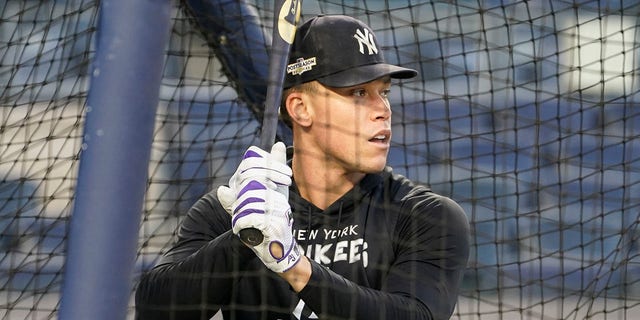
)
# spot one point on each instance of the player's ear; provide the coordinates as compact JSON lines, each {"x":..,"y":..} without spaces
{"x":298,"y":109}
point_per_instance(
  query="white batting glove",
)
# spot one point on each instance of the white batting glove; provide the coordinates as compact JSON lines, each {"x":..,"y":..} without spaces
{"x":255,"y":200}
{"x":270,"y":169}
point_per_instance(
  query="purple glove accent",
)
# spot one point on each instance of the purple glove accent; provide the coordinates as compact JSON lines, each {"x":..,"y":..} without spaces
{"x":239,"y":212}
{"x":271,"y":253}
{"x":251,"y":154}
{"x":287,"y":254}
{"x":252,"y":185}
{"x":246,"y":202}
{"x":245,"y":213}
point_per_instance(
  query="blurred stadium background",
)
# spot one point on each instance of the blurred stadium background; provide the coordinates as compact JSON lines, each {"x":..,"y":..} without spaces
{"x":526,"y":112}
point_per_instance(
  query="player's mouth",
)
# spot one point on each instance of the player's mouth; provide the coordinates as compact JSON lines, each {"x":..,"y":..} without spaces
{"x":382,"y":137}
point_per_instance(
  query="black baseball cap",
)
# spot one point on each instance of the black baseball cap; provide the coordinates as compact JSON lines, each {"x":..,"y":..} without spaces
{"x":338,"y":51}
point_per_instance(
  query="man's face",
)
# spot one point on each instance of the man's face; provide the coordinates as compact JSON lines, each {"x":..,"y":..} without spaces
{"x":352,"y":125}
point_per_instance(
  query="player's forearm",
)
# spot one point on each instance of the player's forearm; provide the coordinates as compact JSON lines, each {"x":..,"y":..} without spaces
{"x":332,"y":296}
{"x":161,"y":295}
{"x":299,"y":275}
{"x":177,"y":288}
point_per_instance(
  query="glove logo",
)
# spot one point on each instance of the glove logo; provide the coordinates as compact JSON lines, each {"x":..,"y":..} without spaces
{"x":294,"y":256}
{"x":290,"y":217}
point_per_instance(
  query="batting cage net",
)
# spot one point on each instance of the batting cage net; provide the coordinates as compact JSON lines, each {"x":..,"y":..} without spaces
{"x":525,"y":112}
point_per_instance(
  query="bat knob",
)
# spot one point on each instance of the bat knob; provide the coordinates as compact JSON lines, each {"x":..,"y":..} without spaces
{"x":251,"y":236}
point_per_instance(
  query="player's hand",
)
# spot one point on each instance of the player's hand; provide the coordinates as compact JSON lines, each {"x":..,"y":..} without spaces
{"x":258,"y":197}
{"x":263,"y":208}
{"x":270,"y":169}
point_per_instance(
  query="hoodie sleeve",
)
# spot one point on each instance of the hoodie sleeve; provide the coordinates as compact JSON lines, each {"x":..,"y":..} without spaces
{"x":195,"y":271}
{"x":432,"y":247}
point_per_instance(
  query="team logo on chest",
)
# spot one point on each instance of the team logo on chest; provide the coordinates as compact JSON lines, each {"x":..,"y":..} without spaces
{"x":326,"y":246}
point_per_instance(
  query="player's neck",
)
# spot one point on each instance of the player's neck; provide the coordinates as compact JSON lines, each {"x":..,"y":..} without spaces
{"x":321,"y":183}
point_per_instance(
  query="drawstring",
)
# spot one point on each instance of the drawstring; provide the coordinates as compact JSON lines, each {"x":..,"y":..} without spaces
{"x":335,"y":241}
{"x":308,"y":222}
{"x":340,"y":213}
{"x":366,"y":219}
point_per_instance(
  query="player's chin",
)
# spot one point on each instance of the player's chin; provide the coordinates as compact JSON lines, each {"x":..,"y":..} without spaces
{"x":372,"y":160}
{"x":374,"y":165}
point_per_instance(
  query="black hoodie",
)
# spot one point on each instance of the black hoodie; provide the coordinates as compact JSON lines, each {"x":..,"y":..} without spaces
{"x":388,"y":249}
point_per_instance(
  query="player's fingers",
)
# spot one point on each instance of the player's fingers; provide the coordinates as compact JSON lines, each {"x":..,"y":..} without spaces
{"x":255,"y":157}
{"x":279,"y":152}
{"x":258,"y":169}
{"x":261,"y":178}
{"x":255,"y":152}
{"x":226,"y":196}
{"x":270,"y":163}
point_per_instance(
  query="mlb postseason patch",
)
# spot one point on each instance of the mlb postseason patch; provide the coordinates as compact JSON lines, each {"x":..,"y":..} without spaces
{"x":301,"y":66}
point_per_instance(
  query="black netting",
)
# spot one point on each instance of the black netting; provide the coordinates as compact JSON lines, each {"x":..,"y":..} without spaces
{"x":525,"y":112}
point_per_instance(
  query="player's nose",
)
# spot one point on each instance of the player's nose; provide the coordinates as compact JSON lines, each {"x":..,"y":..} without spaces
{"x":381,"y":110}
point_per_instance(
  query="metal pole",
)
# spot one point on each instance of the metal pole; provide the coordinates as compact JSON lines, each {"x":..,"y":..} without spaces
{"x":118,"y":132}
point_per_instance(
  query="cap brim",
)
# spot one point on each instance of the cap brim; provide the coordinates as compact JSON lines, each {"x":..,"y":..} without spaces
{"x":364,"y":74}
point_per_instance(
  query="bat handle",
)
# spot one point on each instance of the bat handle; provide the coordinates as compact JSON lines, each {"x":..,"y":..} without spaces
{"x":251,"y":236}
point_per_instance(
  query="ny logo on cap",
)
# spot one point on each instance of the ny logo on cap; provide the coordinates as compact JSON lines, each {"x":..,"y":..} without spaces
{"x":366,"y":39}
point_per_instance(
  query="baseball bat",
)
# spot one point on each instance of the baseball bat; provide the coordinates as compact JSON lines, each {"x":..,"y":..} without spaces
{"x":286,"y":16}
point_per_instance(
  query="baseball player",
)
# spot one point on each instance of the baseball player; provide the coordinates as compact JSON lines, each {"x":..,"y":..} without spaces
{"x":344,"y":237}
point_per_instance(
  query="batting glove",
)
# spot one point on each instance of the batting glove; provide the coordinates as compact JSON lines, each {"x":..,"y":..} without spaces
{"x":258,"y":197}
{"x":270,"y":169}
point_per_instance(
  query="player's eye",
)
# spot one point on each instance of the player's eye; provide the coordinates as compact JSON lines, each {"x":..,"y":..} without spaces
{"x":385,"y":93}
{"x":359,"y":93}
